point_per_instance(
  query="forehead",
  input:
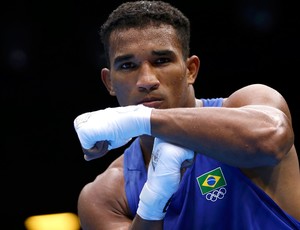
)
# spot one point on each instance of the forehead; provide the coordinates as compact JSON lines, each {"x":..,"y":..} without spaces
{"x":150,"y":37}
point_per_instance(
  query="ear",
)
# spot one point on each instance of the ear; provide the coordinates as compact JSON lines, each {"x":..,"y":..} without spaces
{"x":105,"y":76}
{"x":193,"y":66}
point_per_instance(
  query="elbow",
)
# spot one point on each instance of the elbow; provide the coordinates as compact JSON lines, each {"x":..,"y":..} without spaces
{"x":276,"y":142}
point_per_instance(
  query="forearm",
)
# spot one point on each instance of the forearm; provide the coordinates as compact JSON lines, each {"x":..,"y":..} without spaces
{"x":243,"y":137}
{"x":139,"y":223}
{"x":163,"y":179}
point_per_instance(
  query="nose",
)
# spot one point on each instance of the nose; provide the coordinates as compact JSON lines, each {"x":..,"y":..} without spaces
{"x":147,"y":79}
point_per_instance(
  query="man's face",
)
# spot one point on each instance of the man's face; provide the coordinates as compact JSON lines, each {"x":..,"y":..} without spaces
{"x":147,"y":68}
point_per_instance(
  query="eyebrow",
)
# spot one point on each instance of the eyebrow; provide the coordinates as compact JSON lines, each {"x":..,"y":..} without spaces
{"x":126,"y":57}
{"x":123,"y":58}
{"x":162,"y":52}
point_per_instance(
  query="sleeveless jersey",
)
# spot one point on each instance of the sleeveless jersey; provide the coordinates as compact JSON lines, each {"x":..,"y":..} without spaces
{"x":212,"y":195}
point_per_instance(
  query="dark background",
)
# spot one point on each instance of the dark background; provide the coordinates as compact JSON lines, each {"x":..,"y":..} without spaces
{"x":51,"y":58}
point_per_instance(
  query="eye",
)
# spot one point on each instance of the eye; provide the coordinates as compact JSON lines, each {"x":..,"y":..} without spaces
{"x":160,"y":61}
{"x":127,"y":65}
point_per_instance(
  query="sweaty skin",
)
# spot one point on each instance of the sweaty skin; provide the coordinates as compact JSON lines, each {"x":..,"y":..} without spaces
{"x":148,"y":68}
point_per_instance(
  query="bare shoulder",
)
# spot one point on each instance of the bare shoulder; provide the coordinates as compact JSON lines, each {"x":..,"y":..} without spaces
{"x":257,"y":94}
{"x":102,"y":203}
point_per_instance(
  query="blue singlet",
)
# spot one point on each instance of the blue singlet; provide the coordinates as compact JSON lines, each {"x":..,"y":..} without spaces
{"x":212,"y":195}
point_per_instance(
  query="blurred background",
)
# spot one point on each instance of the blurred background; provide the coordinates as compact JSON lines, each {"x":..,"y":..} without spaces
{"x":51,"y":59}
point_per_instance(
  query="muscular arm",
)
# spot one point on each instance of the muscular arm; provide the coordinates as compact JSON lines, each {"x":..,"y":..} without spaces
{"x":102,"y":203}
{"x":253,"y":128}
{"x":252,"y":131}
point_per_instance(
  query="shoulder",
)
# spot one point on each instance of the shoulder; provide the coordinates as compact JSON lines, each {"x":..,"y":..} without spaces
{"x":254,"y":94}
{"x":105,"y":196}
{"x":106,"y":183}
{"x":257,"y":94}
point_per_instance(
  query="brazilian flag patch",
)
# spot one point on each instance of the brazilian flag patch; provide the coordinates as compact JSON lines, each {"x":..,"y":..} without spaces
{"x":211,"y":180}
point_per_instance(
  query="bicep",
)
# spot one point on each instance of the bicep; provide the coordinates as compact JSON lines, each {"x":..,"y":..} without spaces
{"x":267,"y":110}
{"x":258,"y":94}
{"x":102,"y":203}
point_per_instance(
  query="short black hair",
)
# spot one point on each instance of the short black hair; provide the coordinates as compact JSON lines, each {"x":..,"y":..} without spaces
{"x":138,"y":14}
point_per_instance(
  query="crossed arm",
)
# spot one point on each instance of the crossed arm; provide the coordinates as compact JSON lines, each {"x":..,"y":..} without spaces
{"x":251,"y":120}
{"x":254,"y":120}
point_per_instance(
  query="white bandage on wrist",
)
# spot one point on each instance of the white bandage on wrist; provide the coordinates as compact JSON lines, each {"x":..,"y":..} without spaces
{"x":152,"y":206}
{"x":164,"y":173}
{"x":115,"y":125}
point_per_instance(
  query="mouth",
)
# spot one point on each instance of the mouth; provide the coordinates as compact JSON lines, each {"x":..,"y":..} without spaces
{"x":151,"y":102}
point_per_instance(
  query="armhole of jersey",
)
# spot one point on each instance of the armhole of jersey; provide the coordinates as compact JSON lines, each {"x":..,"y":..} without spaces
{"x":129,"y":195}
{"x":134,"y":175}
{"x":212,"y":102}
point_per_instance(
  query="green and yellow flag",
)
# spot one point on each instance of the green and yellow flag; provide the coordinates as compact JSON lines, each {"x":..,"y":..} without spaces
{"x":211,"y":180}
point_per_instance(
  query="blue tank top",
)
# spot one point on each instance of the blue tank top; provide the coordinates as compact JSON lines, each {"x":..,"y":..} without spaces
{"x":212,"y":195}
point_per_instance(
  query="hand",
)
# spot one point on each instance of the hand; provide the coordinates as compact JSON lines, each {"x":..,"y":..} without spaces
{"x":116,"y":126}
{"x":164,"y":175}
{"x":99,"y":150}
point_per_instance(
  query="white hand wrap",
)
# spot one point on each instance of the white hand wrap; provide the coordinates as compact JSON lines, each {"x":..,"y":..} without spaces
{"x":115,"y":125}
{"x":163,"y":179}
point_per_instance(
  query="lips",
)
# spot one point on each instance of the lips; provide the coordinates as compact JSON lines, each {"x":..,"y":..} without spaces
{"x":151,"y":102}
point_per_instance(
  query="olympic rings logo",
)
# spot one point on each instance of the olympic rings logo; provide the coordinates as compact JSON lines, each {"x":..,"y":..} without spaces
{"x":216,"y":194}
